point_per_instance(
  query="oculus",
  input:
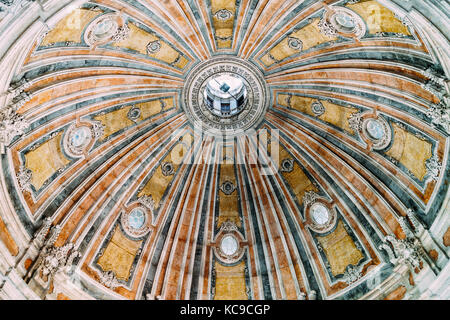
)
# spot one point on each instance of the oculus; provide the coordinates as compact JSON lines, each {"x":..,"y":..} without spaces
{"x":229,"y":245}
{"x":212,"y":83}
{"x":319,"y":214}
{"x":225,"y":95}
{"x":136,"y":221}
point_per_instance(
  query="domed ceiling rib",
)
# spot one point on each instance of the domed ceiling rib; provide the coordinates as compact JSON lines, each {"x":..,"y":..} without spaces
{"x":146,"y":154}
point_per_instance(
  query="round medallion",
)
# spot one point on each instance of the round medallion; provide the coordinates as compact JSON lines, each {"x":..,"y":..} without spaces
{"x":136,"y":218}
{"x":378,"y":131}
{"x":102,"y":29}
{"x":77,"y":139}
{"x":295,"y":43}
{"x":137,"y":222}
{"x":375,"y":129}
{"x":154,"y":47}
{"x":320,"y":214}
{"x":225,"y":96}
{"x":344,"y":20}
{"x":229,"y":245}
{"x":134,"y":114}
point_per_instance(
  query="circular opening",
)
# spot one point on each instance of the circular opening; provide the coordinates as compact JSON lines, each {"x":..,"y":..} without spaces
{"x":136,"y":218}
{"x":375,"y":129}
{"x":81,"y":137}
{"x":229,"y":245}
{"x":225,"y":95}
{"x":320,"y":214}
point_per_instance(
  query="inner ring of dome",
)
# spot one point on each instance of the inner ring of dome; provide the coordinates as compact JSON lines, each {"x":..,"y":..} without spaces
{"x":225,"y":96}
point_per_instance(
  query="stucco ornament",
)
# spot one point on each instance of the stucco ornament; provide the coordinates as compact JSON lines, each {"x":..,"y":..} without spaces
{"x":440,"y":115}
{"x":352,"y":274}
{"x":355,"y":121}
{"x":12,"y":125}
{"x":108,"y":279}
{"x":309,"y":198}
{"x":433,"y":166}
{"x":58,"y":259}
{"x":24,"y":177}
{"x":52,"y":259}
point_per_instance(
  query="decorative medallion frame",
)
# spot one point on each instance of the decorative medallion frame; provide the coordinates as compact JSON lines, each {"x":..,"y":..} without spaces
{"x":147,"y":225}
{"x":332,"y":215}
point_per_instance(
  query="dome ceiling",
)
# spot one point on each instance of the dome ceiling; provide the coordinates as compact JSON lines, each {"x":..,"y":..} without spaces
{"x":349,"y":147}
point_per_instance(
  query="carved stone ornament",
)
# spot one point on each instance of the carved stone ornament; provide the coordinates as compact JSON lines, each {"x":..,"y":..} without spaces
{"x":317,"y":108}
{"x":154,"y":47}
{"x":440,"y":115}
{"x":287,"y":165}
{"x":433,"y":166}
{"x":12,"y":125}
{"x":295,"y":43}
{"x":228,"y":245}
{"x":98,"y":129}
{"x":147,"y":201}
{"x":77,"y":139}
{"x":109,"y":27}
{"x":342,"y":21}
{"x":58,"y":259}
{"x":223,"y":14}
{"x":134,"y":114}
{"x":137,"y":221}
{"x":309,"y":198}
{"x":24,"y":177}
{"x":402,"y":251}
{"x":228,"y":187}
{"x":167,"y":168}
{"x":355,"y":122}
{"x":352,"y":274}
{"x":378,"y":131}
{"x":108,"y":279}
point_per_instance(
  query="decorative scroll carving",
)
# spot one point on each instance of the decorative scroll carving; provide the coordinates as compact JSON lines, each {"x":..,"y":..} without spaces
{"x":433,"y":166}
{"x":352,"y":274}
{"x":24,"y":177}
{"x":309,"y":198}
{"x":223,"y":14}
{"x":12,"y":125}
{"x":355,"y":121}
{"x":108,"y":279}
